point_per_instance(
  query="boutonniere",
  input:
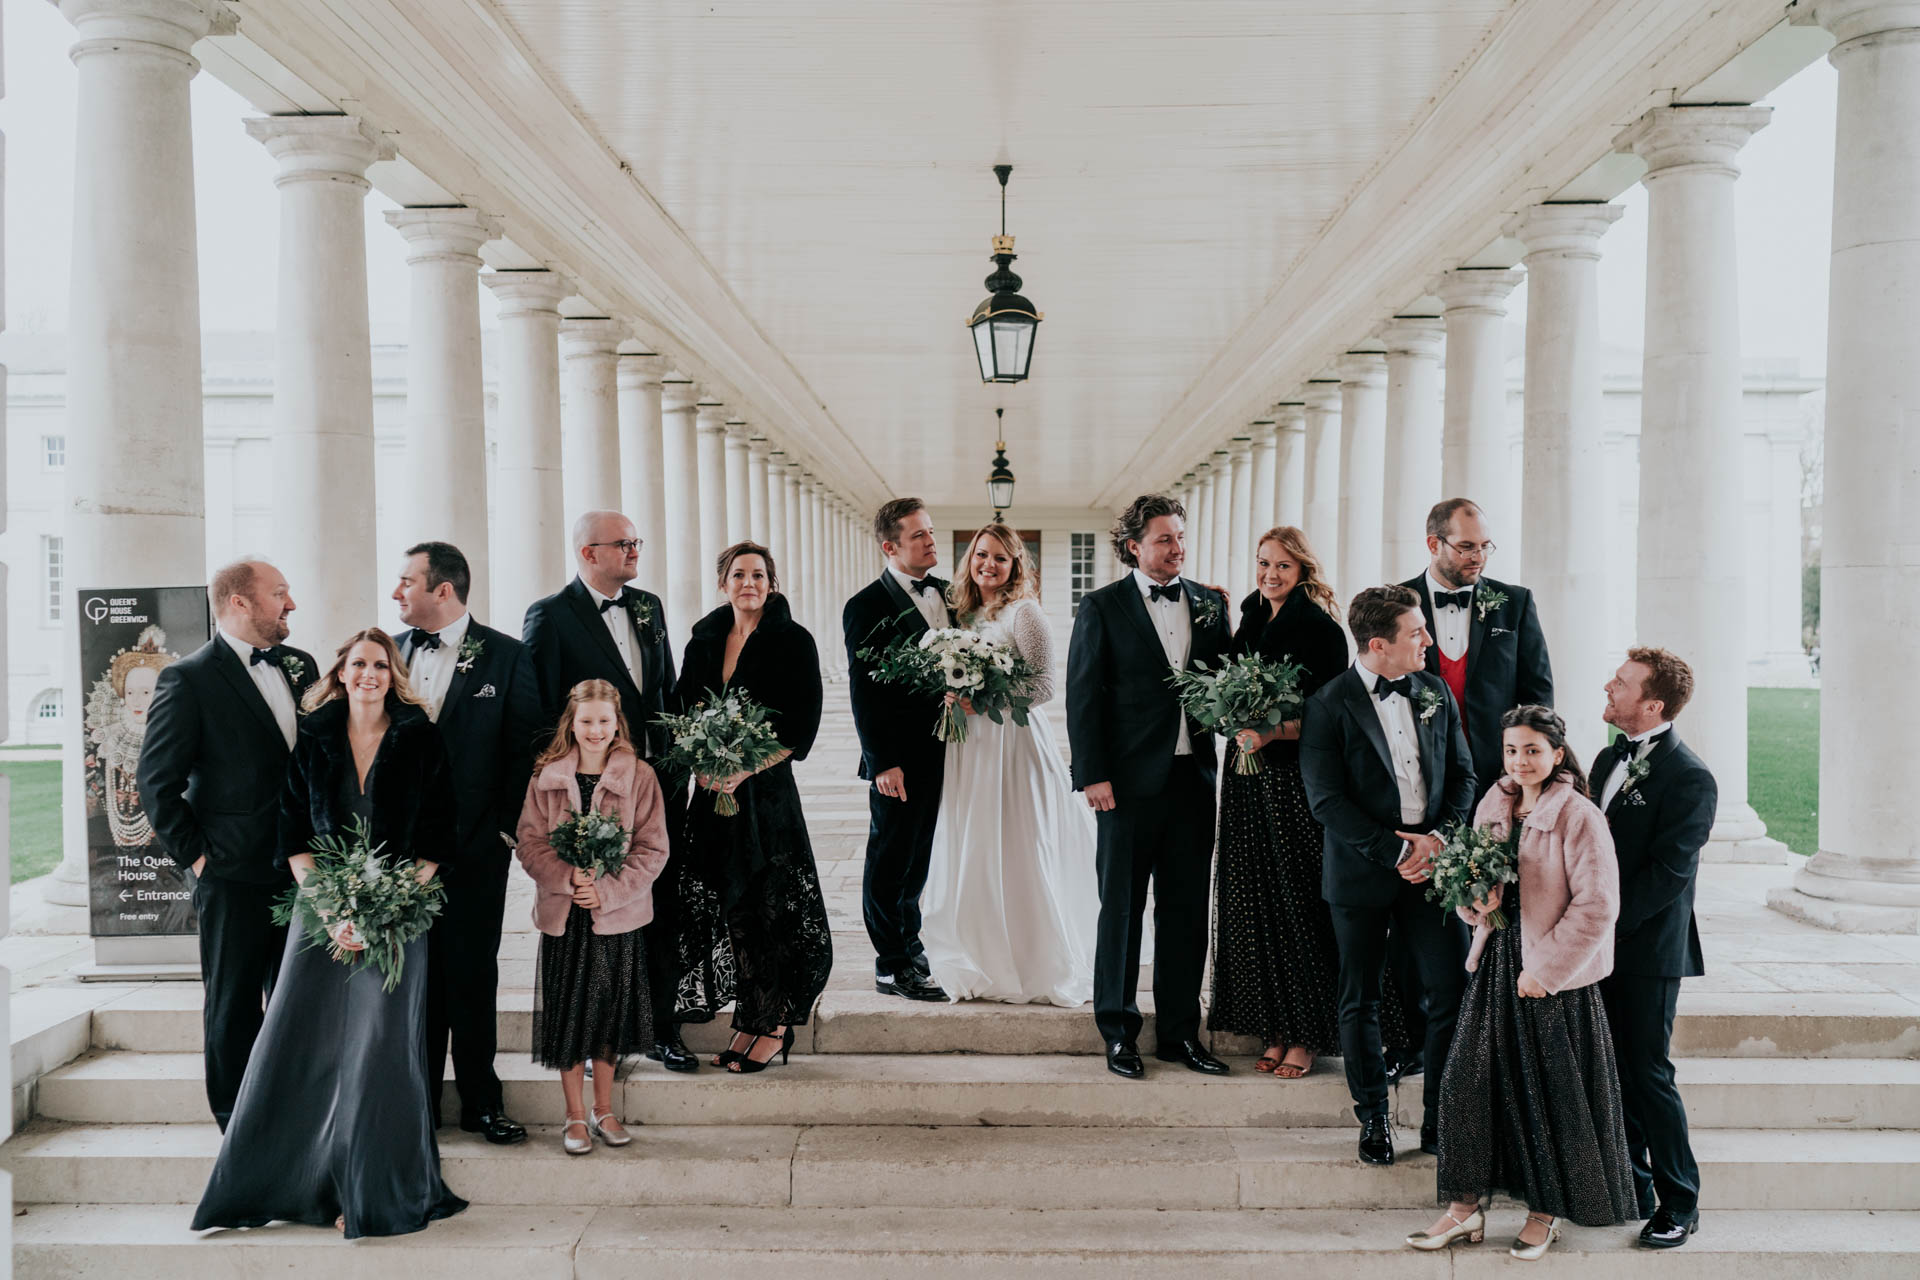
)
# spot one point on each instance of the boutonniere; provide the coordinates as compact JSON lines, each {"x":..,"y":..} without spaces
{"x":1488,"y":601}
{"x":470,"y":648}
{"x":295,"y":670}
{"x":1206,"y":608}
{"x":1636,"y":770}
{"x":642,"y":614}
{"x":1429,"y":700}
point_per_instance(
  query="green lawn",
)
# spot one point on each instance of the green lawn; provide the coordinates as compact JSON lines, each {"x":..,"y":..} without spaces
{"x":1783,"y":764}
{"x":36,"y":816}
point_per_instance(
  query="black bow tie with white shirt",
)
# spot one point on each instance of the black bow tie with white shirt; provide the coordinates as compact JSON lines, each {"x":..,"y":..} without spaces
{"x":1453,"y":599}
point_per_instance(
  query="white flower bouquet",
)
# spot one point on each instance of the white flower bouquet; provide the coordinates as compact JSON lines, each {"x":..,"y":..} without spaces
{"x":1472,"y":863}
{"x":592,"y":841}
{"x":1244,"y":692}
{"x":990,"y":676}
{"x":381,"y":897}
{"x":726,"y":734}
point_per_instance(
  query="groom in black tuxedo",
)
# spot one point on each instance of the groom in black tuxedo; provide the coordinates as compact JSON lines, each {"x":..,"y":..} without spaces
{"x":1385,"y":767}
{"x":479,"y":689}
{"x":219,"y":733}
{"x":898,"y":753}
{"x":599,"y":628}
{"x":1659,"y":799}
{"x":1148,"y":772}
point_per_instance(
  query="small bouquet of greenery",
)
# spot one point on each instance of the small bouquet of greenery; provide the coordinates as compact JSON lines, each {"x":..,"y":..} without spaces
{"x":1245,"y":692}
{"x":992,"y":677}
{"x":592,"y":841}
{"x":726,"y":734}
{"x":381,"y":897}
{"x":1472,"y":863}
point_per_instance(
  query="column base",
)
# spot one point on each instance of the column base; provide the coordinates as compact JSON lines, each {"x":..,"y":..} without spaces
{"x":1853,"y":895}
{"x":67,"y":886}
{"x":1739,"y":836}
{"x":1843,"y":917}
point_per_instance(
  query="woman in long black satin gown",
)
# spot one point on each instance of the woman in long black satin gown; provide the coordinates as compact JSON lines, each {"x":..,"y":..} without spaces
{"x":332,"y":1125}
{"x":753,"y":924}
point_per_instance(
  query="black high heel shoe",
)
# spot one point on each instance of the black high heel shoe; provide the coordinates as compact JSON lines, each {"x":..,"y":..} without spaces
{"x":728,"y":1056}
{"x":747,"y":1064}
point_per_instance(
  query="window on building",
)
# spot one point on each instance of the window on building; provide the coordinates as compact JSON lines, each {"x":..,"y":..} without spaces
{"x":53,"y":449}
{"x":1081,"y":571}
{"x":48,"y":707}
{"x":53,"y":565}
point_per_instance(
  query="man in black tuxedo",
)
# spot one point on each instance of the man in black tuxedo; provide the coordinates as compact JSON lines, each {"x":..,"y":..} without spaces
{"x":219,"y":733}
{"x":479,"y":688}
{"x":1385,"y":767}
{"x":898,"y":753}
{"x":599,"y":628}
{"x":1659,"y":799}
{"x":1148,"y":772}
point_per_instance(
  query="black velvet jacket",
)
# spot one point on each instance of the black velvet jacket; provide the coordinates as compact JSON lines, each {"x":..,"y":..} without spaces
{"x":410,"y":785}
{"x":779,"y":668}
{"x":1301,"y":632}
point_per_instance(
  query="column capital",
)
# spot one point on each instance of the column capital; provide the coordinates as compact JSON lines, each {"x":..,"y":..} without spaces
{"x":636,"y":369}
{"x":1363,"y":368}
{"x":1415,"y":336}
{"x":1851,"y":20}
{"x":759,"y":447}
{"x":526,"y":292}
{"x":1477,"y":290}
{"x":1692,"y":139}
{"x":443,"y":233}
{"x":1203,"y":470}
{"x":167,"y":28}
{"x":1322,"y":395}
{"x":677,"y":394}
{"x":1290,"y":415}
{"x":1262,"y":433}
{"x":1240,"y":448}
{"x":319,"y":148}
{"x":710,"y":416}
{"x":737,"y":432}
{"x":1563,"y":230}
{"x":590,"y":337}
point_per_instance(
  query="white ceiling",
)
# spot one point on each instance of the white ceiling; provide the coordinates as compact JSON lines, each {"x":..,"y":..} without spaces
{"x":794,"y":197}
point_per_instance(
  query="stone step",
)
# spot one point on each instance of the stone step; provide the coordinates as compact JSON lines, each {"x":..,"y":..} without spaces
{"x":1053,"y":1168}
{"x":565,"y":1243}
{"x":954,"y":1089}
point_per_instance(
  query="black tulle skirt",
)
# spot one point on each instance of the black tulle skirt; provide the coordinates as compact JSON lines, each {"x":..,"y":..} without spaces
{"x":590,"y":995}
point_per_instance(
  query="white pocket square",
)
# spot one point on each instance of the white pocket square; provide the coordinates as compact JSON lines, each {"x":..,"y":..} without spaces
{"x":1500,"y":631}
{"x":484,"y":691}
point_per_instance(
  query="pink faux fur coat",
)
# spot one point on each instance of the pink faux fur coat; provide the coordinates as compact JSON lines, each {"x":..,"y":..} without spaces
{"x":1569,"y":887}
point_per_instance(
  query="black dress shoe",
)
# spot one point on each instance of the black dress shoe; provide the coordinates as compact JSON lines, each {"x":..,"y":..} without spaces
{"x":1398,"y":1069}
{"x":1376,"y":1141}
{"x":1124,"y":1060}
{"x":912,"y":984}
{"x":1668,"y":1230}
{"x":495,"y":1127}
{"x":1192,"y":1055}
{"x":1430,"y":1138}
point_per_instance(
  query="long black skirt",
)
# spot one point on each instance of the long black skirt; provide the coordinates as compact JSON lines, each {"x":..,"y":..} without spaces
{"x":590,"y":995}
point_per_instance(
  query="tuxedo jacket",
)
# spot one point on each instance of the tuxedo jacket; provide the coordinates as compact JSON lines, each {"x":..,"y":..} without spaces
{"x":1123,"y":718}
{"x":1659,"y":826}
{"x":895,"y":723}
{"x":409,"y":787}
{"x":493,"y":725}
{"x":1348,"y":772}
{"x":213,"y":761}
{"x":567,"y":641}
{"x":1507,"y":666}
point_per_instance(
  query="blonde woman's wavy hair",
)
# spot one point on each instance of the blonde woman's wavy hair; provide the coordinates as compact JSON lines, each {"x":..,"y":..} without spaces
{"x":964,"y":595}
{"x":328,"y":687}
{"x":1313,"y":579}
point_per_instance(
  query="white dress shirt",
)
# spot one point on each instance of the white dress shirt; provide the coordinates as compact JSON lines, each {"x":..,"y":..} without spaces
{"x":272,"y":683}
{"x":620,"y":627}
{"x":430,"y":671}
{"x":931,"y":603}
{"x":1175,"y":627}
{"x":1618,"y":778}
{"x":1451,"y":626}
{"x":1403,"y":744}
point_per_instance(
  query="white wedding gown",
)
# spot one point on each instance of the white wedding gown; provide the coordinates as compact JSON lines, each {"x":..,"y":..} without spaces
{"x":1012,"y":900}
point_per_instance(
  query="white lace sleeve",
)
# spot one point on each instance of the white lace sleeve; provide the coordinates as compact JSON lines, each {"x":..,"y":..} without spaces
{"x":1033,"y":638}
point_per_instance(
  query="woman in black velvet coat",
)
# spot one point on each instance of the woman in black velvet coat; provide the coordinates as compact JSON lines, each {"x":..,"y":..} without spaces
{"x":753,"y":925}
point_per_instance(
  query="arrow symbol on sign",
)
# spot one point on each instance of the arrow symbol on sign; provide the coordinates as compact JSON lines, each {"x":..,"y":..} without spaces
{"x":124,"y":895}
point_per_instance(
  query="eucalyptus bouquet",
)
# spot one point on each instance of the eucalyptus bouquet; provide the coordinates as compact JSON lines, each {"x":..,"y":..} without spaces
{"x":1245,"y":692}
{"x":381,"y":897}
{"x":1472,"y":863}
{"x":991,"y":676}
{"x":726,"y":734}
{"x":592,"y":841}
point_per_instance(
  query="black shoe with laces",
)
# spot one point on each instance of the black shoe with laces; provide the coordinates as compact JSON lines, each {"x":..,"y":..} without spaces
{"x":1667,"y":1229}
{"x":1376,"y":1141}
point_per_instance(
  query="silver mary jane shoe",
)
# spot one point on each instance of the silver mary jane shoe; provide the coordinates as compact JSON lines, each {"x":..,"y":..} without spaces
{"x":1533,"y":1252}
{"x":1472,"y":1228}
{"x":580,"y":1146}
{"x":596,"y":1125}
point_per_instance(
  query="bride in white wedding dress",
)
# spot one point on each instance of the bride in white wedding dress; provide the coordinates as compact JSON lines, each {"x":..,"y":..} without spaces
{"x":1011,"y":901}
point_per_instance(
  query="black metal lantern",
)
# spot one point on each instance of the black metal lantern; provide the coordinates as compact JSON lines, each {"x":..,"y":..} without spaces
{"x":1000,"y":479}
{"x":1003,"y":325}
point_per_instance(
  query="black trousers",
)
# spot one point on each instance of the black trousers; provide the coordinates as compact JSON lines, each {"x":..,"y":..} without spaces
{"x":1437,"y":952}
{"x":661,"y":934}
{"x":899,"y":848}
{"x":1165,"y":840}
{"x":463,"y":983}
{"x":240,"y":952}
{"x":1640,"y":1012}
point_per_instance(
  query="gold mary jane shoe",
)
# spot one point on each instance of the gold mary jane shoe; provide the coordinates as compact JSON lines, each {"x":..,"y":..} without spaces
{"x":1473,"y":1228}
{"x":580,"y":1146}
{"x":1533,"y":1252}
{"x":596,"y":1125}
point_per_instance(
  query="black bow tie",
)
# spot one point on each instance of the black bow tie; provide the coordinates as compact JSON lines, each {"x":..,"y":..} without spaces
{"x":1629,"y":748}
{"x":425,"y":639}
{"x":920,"y":586}
{"x":1171,"y":591}
{"x":259,"y":656}
{"x":1454,"y":599}
{"x":608,"y":604}
{"x":1403,"y":686}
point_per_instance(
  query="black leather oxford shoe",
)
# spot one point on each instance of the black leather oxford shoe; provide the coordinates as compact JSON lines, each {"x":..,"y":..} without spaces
{"x":912,"y":984}
{"x":672,"y":1053}
{"x":1430,"y":1138}
{"x":1124,"y":1060}
{"x":1667,"y":1229}
{"x":1192,"y":1055}
{"x":495,"y":1127}
{"x":1376,"y":1141}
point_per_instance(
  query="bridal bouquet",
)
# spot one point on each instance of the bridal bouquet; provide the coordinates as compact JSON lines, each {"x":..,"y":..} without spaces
{"x":991,"y":676}
{"x":1472,"y":862}
{"x":592,"y":841}
{"x":726,"y":734}
{"x":1245,"y":692}
{"x":382,"y":898}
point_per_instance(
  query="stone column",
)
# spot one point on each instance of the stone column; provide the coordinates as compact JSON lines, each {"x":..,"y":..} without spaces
{"x":810,"y":589}
{"x":1320,"y":480}
{"x":1290,"y":463}
{"x":1413,"y":464}
{"x":1363,"y":467}
{"x":1867,"y":873}
{"x":1777,"y":650}
{"x":679,"y":458}
{"x":1264,"y":504}
{"x":446,"y":448}
{"x":739,"y":484}
{"x":1692,"y":588}
{"x":757,"y":525}
{"x":590,"y":416}
{"x":643,"y":477}
{"x":1220,"y":518}
{"x":711,"y":427}
{"x":790,"y":520}
{"x":323,"y":376}
{"x":1562,"y":524}
{"x":1474,"y":462}
{"x":1240,"y":528}
{"x":774,"y":468}
{"x":1200,"y":520}
{"x":531,"y":558}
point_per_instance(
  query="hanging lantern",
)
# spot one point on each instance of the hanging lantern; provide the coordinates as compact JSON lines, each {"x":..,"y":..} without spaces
{"x":1003,"y":324}
{"x":1000,"y":479}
